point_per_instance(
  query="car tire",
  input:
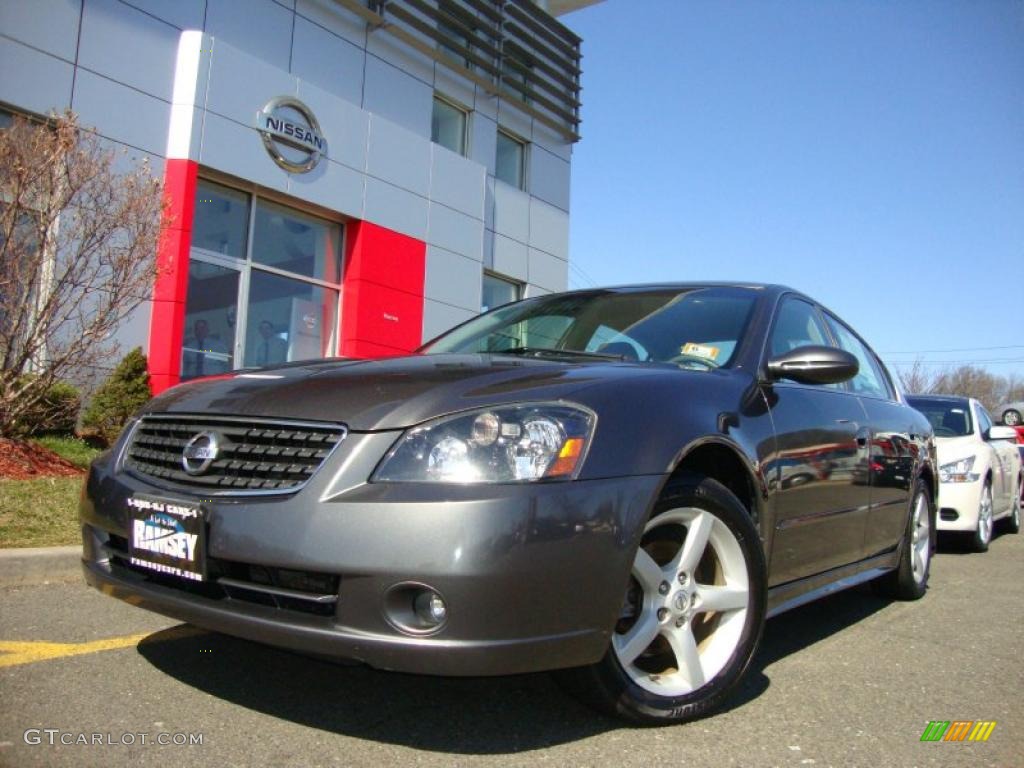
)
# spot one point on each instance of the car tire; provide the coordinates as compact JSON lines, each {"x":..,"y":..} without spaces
{"x":983,"y":530}
{"x":909,"y":581}
{"x":1011,"y":417}
{"x":699,"y":549}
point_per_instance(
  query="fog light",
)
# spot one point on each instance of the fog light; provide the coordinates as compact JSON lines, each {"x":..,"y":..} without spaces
{"x":416,"y":609}
{"x":430,"y":607}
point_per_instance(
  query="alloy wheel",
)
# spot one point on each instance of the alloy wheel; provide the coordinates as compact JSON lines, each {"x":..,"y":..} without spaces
{"x":685,"y":610}
{"x":985,"y":516}
{"x":920,"y":539}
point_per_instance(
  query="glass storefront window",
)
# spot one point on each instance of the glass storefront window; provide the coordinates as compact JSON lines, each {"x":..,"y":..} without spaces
{"x":287,"y":319}
{"x":210,"y":316}
{"x":221,"y":221}
{"x":294,"y":242}
{"x":497,"y":291}
{"x":260,"y":300}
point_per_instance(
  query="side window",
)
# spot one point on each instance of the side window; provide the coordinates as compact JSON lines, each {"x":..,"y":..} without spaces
{"x":984,"y":420}
{"x":796,"y":325}
{"x":870,"y":379}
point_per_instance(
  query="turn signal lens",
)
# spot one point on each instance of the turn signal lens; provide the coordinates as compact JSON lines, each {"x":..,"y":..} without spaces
{"x":567,"y":459}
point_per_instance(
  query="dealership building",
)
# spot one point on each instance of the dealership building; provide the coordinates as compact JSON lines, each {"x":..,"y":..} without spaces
{"x":344,"y":177}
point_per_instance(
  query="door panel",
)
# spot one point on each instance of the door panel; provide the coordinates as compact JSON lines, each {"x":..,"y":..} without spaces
{"x":894,"y":457}
{"x":820,"y":476}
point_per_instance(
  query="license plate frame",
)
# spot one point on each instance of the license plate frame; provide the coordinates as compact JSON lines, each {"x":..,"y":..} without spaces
{"x":167,"y":536}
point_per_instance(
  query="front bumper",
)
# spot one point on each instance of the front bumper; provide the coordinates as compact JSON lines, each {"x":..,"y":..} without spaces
{"x":964,"y":499}
{"x":533,"y":575}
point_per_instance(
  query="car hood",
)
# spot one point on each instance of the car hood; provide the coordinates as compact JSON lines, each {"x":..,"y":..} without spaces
{"x":956,"y":448}
{"x":383,"y":394}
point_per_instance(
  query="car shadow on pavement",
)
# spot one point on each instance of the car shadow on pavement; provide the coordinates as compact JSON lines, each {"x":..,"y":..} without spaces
{"x":498,"y":715}
{"x":798,"y":629}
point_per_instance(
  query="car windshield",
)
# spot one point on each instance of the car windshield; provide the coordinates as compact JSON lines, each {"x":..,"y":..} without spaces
{"x":949,"y":418}
{"x":696,"y":328}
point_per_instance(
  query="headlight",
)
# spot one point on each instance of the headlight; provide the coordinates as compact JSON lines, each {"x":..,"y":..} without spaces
{"x":958,"y":471}
{"x":508,"y":444}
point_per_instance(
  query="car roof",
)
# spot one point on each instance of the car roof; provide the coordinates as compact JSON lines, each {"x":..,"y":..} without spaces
{"x":955,"y":399}
{"x":766,"y":288}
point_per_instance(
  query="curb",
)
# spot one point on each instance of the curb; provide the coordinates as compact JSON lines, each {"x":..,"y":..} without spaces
{"x":39,"y":565}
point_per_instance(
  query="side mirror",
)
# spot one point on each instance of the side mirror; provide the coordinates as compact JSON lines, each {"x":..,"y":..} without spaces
{"x":814,"y":364}
{"x":1001,"y":433}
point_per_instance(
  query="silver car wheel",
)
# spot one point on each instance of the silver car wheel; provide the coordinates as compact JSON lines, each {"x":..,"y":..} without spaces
{"x":985,"y":516}
{"x":1011,"y":418}
{"x":920,"y":539}
{"x":687,"y":603}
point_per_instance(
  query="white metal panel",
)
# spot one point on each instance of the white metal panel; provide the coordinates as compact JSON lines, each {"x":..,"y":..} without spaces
{"x":43,"y":82}
{"x":398,"y":156}
{"x":549,"y":228}
{"x":457,"y":182}
{"x":260,"y":27}
{"x":456,"y":231}
{"x":49,"y":25}
{"x":453,"y":279}
{"x":395,"y":208}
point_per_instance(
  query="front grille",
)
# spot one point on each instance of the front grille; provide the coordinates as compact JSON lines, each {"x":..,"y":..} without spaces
{"x":253,"y":456}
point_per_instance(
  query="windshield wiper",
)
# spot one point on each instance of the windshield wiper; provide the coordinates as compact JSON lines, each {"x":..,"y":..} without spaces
{"x":555,"y":352}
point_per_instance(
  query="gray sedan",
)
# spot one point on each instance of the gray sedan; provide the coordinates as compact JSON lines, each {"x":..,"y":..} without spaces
{"x":621,"y":484}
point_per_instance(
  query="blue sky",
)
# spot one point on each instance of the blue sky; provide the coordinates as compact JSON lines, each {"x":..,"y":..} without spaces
{"x":867,"y":152}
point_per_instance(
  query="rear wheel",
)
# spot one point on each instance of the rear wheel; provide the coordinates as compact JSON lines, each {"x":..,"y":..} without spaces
{"x":910,"y":579}
{"x":1011,"y":417}
{"x":692,"y":614}
{"x":983,"y":531}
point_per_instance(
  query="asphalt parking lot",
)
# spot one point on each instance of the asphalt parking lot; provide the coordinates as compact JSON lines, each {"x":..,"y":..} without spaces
{"x":849,"y":681}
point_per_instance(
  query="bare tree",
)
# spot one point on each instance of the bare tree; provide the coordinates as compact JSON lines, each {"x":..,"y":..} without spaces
{"x":964,"y":380}
{"x":973,"y":382}
{"x":78,"y":244}
{"x":915,"y":380}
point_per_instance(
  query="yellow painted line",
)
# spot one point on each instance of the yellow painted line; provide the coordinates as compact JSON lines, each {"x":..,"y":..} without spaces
{"x":16,"y":652}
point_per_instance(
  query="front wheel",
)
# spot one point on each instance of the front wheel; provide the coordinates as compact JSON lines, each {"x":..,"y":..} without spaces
{"x":692,"y":615}
{"x":910,"y":579}
{"x":983,"y":531}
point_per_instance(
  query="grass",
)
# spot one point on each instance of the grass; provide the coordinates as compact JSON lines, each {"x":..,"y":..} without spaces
{"x":73,"y":449}
{"x":40,"y":513}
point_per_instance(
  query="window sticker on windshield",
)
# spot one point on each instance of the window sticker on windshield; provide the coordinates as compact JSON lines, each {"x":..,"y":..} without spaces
{"x":699,"y":350}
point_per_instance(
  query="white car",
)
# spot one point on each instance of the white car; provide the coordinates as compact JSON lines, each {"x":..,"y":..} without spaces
{"x":980,"y":477}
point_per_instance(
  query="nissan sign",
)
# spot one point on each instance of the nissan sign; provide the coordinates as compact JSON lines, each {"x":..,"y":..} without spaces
{"x":291,"y":134}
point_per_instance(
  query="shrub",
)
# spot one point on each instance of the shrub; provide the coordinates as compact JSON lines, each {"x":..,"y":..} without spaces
{"x":55,"y":411}
{"x":122,"y":394}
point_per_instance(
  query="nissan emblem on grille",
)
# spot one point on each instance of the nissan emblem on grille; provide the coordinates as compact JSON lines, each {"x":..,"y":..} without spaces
{"x":199,"y":453}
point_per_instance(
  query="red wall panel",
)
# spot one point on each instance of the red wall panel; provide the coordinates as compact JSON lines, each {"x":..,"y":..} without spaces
{"x":167,"y":322}
{"x":382,"y":295}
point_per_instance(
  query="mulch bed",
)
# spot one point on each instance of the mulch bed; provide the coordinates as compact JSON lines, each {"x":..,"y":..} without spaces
{"x":27,"y":461}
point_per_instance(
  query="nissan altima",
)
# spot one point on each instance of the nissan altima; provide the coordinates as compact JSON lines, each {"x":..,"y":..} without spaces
{"x":621,"y":484}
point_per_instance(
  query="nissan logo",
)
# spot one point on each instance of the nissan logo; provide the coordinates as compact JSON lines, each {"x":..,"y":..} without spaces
{"x":199,"y":453}
{"x":291,"y":134}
